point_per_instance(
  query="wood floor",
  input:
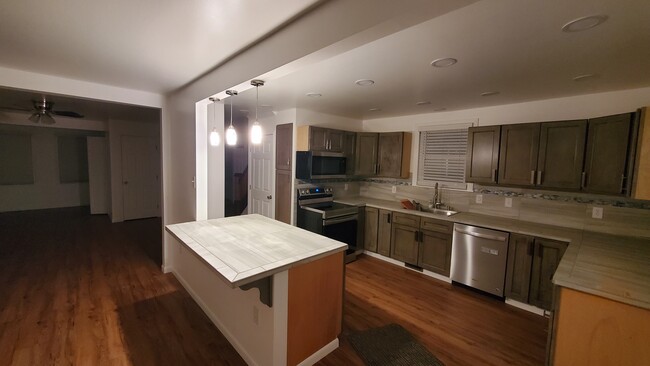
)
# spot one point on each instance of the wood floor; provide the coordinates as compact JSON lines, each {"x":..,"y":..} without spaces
{"x":78,"y":290}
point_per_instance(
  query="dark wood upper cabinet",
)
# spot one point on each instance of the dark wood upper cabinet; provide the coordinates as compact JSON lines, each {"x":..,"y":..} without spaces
{"x":366,"y":154}
{"x":561,"y":154}
{"x":284,"y":146}
{"x":371,"y":224}
{"x":311,"y":138}
{"x":610,"y":152}
{"x":545,"y":261}
{"x":335,"y":140}
{"x":349,"y":147}
{"x":520,"y":263}
{"x":482,"y":154}
{"x":518,"y":154}
{"x":317,"y":139}
{"x":384,"y":232}
{"x":394,"y":154}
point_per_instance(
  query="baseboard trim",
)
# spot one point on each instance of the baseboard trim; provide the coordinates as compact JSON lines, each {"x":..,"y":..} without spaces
{"x":402,"y":264}
{"x":321,"y":353}
{"x":529,"y":308}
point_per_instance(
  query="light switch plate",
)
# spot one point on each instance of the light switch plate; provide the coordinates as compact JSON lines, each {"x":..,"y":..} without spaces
{"x":479,"y":198}
{"x":597,"y":212}
{"x":508,"y":202}
{"x":394,"y":189}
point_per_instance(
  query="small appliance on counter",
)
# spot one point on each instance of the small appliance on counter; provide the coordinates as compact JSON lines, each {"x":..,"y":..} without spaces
{"x":318,"y":213}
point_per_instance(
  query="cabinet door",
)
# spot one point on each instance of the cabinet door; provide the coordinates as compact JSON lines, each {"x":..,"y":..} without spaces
{"x":371,"y":224}
{"x":404,"y":244}
{"x":366,"y":154}
{"x":384,"y":232}
{"x":349,"y":139}
{"x":561,"y":154}
{"x":335,"y":140}
{"x":482,"y":154}
{"x":283,"y":143}
{"x":518,"y":154}
{"x":283,"y":195}
{"x":520,"y":263}
{"x":317,"y":138}
{"x":435,"y":252}
{"x":547,"y":257}
{"x":608,"y":140}
{"x":389,"y":154}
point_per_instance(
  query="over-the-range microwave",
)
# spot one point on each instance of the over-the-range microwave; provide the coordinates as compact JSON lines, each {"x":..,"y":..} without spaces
{"x":318,"y":165}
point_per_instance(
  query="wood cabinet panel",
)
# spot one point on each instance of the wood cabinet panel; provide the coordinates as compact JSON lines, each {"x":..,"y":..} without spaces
{"x":641,"y":186}
{"x":335,"y":140}
{"x":608,"y":154}
{"x":518,"y":154}
{"x":445,"y":227}
{"x":317,"y":138}
{"x":545,"y":261}
{"x":349,"y":145}
{"x":371,"y":225}
{"x":482,"y":154}
{"x":434,"y":252}
{"x":284,"y":146}
{"x":366,"y":154}
{"x":561,"y":154}
{"x":404,"y":243}
{"x":520,"y":263}
{"x":389,"y":154}
{"x":384,"y":232}
{"x":283,"y":195}
{"x":406,"y":219}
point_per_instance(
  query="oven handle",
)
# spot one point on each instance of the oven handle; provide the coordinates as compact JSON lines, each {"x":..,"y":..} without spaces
{"x":338,"y":220}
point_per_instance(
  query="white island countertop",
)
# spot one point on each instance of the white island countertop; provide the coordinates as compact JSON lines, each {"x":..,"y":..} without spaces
{"x":243,"y":249}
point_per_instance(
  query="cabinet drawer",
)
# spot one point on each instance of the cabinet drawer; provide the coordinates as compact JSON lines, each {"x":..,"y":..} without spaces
{"x":406,"y":219}
{"x":436,"y":225}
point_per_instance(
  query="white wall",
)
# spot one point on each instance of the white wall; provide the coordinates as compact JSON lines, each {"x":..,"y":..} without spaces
{"x":47,"y":191}
{"x":117,"y":129}
{"x":99,"y":176}
{"x":558,"y":109}
{"x":312,"y":118}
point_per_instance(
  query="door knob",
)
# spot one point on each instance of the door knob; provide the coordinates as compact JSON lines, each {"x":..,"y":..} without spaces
{"x":269,"y":196}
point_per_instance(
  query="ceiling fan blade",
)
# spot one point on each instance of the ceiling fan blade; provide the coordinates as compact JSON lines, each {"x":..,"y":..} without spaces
{"x":68,"y":114}
{"x":17,"y":109}
{"x":47,"y":119}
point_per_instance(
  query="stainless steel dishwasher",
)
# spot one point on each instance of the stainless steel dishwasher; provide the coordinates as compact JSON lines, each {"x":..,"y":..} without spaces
{"x":479,"y":257}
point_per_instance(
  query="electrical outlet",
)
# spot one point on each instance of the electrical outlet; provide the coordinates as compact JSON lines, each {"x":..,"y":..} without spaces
{"x":479,"y":198}
{"x":508,"y":202}
{"x":345,"y":187}
{"x":256,"y":315}
{"x":597,"y":212}
{"x":394,"y":189}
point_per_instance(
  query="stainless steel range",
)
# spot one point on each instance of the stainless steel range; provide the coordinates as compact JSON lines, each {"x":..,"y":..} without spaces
{"x":318,"y":213}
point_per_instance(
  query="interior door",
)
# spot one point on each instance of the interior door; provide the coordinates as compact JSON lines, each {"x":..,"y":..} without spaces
{"x":140,"y":177}
{"x":261,"y":188}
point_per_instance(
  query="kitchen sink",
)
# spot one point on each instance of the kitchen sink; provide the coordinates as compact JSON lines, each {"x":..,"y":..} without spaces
{"x":438,"y":211}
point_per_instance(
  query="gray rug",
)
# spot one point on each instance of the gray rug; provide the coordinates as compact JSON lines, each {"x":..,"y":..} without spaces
{"x":391,"y":345}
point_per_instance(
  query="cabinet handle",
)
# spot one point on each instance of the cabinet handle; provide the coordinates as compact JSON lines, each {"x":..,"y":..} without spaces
{"x":531,"y":248}
{"x":289,"y":162}
{"x":539,"y":177}
{"x":378,"y":168}
{"x":329,"y":144}
{"x":375,"y":172}
{"x":532,"y":177}
{"x":416,"y":235}
{"x":583,"y":180}
{"x":421,"y":236}
{"x":388,"y":218}
{"x":494,"y":175}
{"x":622,"y":190}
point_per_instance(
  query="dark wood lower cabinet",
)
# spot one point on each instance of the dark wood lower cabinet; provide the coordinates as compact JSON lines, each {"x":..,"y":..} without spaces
{"x":283,"y":195}
{"x":384,"y":232}
{"x":370,"y":224}
{"x":404,"y":243}
{"x":435,"y":252}
{"x":531,"y":264}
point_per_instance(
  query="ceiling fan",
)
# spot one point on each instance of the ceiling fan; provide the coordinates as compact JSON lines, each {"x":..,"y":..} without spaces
{"x":42,"y":112}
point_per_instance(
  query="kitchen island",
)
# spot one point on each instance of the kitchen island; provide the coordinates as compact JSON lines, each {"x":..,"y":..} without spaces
{"x":274,"y":290}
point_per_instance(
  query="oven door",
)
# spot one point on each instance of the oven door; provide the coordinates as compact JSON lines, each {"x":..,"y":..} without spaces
{"x":343,"y":229}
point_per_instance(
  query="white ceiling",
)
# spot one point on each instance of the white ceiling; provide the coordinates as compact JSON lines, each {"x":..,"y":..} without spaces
{"x":515,"y":47}
{"x":148,"y":45}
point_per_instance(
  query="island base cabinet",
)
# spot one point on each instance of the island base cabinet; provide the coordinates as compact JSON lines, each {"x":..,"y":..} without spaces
{"x":435,"y":252}
{"x":592,"y":330}
{"x":520,"y":263}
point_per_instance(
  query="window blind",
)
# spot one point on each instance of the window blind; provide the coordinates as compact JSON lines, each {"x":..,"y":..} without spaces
{"x":442,"y":156}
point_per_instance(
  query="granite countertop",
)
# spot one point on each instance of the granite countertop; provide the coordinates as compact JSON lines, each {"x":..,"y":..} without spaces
{"x":243,"y":249}
{"x":611,"y":266}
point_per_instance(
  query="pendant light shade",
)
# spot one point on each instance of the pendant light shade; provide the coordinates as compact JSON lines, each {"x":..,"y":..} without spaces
{"x":256,"y":129}
{"x":231,"y":134}
{"x":214,"y":138}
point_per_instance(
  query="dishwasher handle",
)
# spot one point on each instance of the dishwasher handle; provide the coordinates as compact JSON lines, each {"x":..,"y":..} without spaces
{"x":481,"y":235}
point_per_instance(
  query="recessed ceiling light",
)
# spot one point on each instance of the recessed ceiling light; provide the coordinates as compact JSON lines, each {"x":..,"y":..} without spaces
{"x":487,"y":94}
{"x":314,"y":95}
{"x":584,"y":77}
{"x":364,"y":82}
{"x":584,"y":23}
{"x":374,"y":109}
{"x":440,"y":109}
{"x":423,"y":103}
{"x":443,"y":62}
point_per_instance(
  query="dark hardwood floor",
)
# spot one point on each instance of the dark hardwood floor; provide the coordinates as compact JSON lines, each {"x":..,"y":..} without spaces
{"x":78,"y":290}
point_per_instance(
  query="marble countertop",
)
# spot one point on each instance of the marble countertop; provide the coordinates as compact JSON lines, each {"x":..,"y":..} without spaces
{"x":243,"y":249}
{"x":611,"y":266}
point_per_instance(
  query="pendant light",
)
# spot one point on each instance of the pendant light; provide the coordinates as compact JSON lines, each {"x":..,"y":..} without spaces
{"x":231,"y":134}
{"x":215,"y":139}
{"x":256,"y":130}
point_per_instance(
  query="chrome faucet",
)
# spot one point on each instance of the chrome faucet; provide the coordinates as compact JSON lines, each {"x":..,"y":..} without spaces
{"x":436,"y":202}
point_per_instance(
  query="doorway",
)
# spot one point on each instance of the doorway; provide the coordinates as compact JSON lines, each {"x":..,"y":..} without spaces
{"x":140,"y":177}
{"x":262,"y":178}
